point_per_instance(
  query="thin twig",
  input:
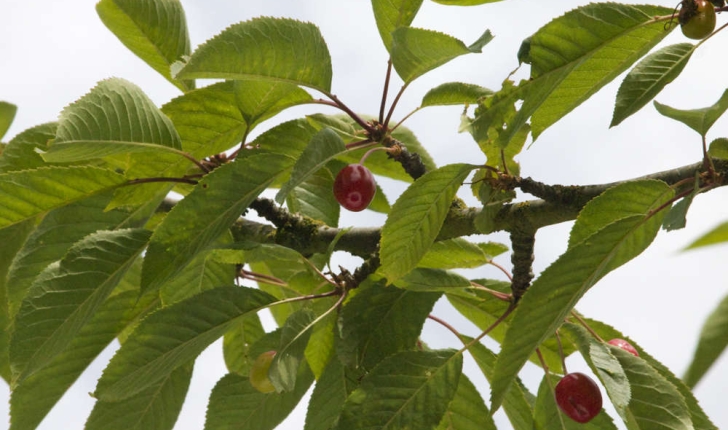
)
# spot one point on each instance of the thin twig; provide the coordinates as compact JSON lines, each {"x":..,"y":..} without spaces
{"x":385,"y":91}
{"x":495,"y":324}
{"x":586,"y":326}
{"x":394,"y":105}
{"x":561,"y":351}
{"x":502,"y":269}
{"x":444,"y":324}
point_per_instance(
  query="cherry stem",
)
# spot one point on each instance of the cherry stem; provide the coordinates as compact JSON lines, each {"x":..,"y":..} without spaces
{"x":586,"y":326}
{"x":497,"y":294}
{"x":385,"y":91}
{"x":405,"y":118}
{"x":150,"y":180}
{"x":259,"y":277}
{"x":394,"y":105}
{"x":360,"y":144}
{"x":445,"y":324}
{"x":707,"y":162}
{"x":308,"y":297}
{"x":495,"y":324}
{"x":368,"y":153}
{"x":316,"y":269}
{"x":335,"y":102}
{"x":502,"y":269}
{"x":543,"y":362}
{"x":243,"y":141}
{"x":561,"y":352}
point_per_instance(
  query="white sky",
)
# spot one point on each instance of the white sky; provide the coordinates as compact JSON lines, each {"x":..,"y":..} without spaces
{"x":53,"y":52}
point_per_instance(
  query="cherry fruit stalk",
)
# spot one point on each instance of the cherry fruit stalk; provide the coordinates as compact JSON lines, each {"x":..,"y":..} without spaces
{"x":354,"y":187}
{"x":578,"y":396}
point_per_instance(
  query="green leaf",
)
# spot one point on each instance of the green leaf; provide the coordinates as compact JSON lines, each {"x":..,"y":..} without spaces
{"x":416,"y":51}
{"x":700,"y":420}
{"x":655,"y":401}
{"x":201,"y":274}
{"x":711,"y":343}
{"x":207,"y":119}
{"x":329,"y":395}
{"x":410,"y":389}
{"x":518,"y":402}
{"x":313,"y":198}
{"x":7,"y":115}
{"x":416,"y":218}
{"x":719,"y":148}
{"x":677,"y":216}
{"x":548,"y":416}
{"x":115,"y":117}
{"x":465,"y":2}
{"x":295,"y":334}
{"x":21,"y":152}
{"x":324,"y":146}
{"x":392,"y":14}
{"x":28,"y":193}
{"x":616,"y":203}
{"x":379,"y":321}
{"x":320,"y":349}
{"x":234,"y":402}
{"x":12,"y":239}
{"x":237,"y":342}
{"x":649,"y":77}
{"x":483,"y":309}
{"x":454,"y":93}
{"x":155,"y":408}
{"x":457,"y":253}
{"x":263,"y":48}
{"x":699,"y":120}
{"x":173,"y":336}
{"x":33,"y":398}
{"x":575,"y":55}
{"x":719,"y":234}
{"x":154,"y":30}
{"x":466,"y":411}
{"x":200,"y":218}
{"x":66,"y":296}
{"x":259,"y":100}
{"x":432,"y":280}
{"x":52,"y":238}
{"x":552,"y":296}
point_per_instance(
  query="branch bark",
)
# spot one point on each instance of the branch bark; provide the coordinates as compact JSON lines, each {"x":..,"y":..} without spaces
{"x":557,"y":204}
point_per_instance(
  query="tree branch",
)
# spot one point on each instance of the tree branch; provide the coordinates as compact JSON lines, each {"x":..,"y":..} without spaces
{"x":560,"y":204}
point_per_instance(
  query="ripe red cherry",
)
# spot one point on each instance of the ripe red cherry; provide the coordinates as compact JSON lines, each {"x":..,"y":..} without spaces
{"x":354,"y":187}
{"x":578,"y":397}
{"x":621,"y":343}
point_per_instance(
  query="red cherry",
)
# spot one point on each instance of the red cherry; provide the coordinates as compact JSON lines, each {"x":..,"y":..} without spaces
{"x":578,"y":396}
{"x":621,"y":343}
{"x":354,"y":187}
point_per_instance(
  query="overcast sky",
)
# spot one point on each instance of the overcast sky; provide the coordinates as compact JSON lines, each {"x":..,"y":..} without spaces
{"x":53,"y":52}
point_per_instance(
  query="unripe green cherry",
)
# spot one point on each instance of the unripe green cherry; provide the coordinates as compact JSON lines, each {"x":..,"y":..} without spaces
{"x":696,"y":18}
{"x":259,"y":372}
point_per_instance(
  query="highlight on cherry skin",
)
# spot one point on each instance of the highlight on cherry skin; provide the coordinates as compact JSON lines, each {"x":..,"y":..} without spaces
{"x":259,"y":372}
{"x":354,"y":187}
{"x":578,"y":397}
{"x":621,"y":343}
